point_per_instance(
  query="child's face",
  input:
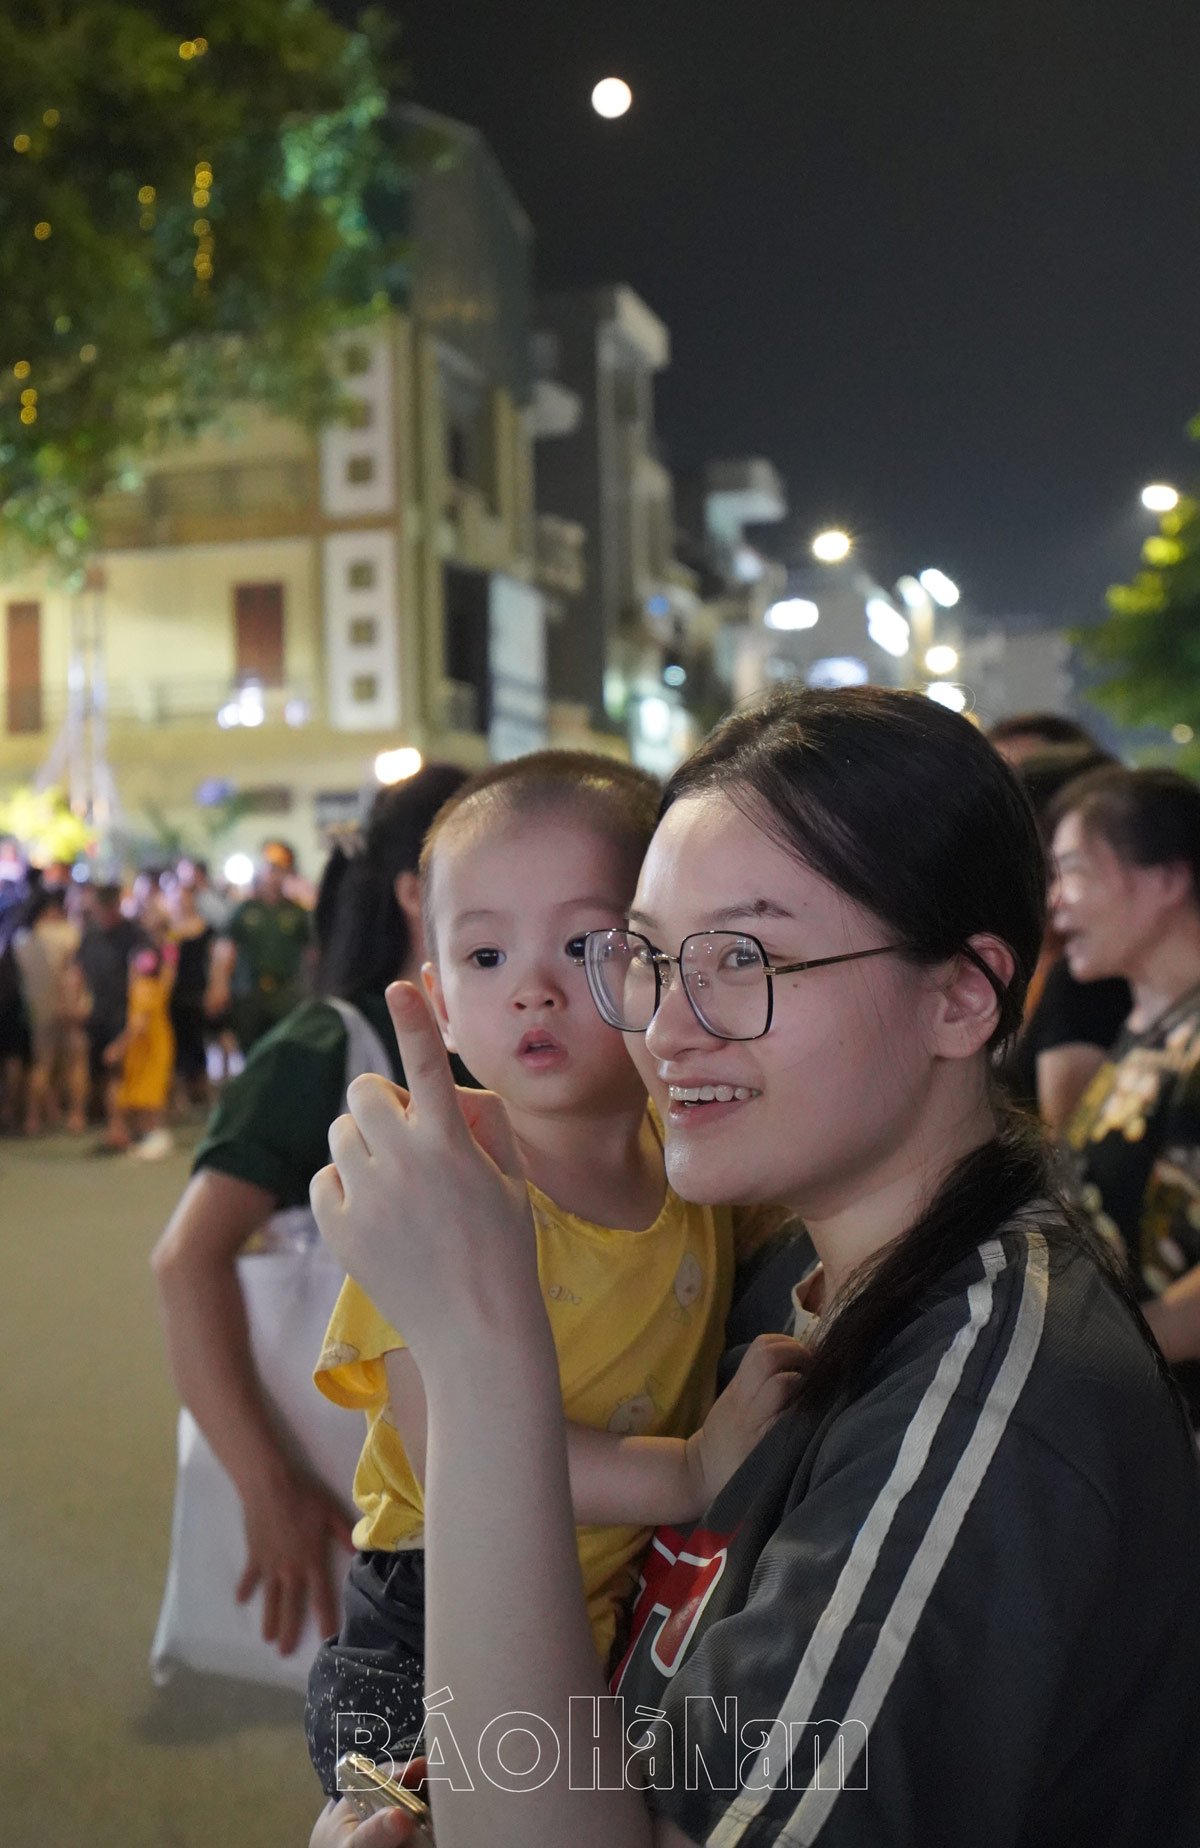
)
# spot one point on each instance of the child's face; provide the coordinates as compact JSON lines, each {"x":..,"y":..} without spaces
{"x":510,"y":907}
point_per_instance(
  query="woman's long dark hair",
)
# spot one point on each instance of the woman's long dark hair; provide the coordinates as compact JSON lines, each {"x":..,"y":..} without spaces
{"x":909,"y":811}
{"x":363,"y":936}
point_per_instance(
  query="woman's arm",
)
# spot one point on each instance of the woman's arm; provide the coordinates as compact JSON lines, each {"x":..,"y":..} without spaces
{"x":290,"y":1519}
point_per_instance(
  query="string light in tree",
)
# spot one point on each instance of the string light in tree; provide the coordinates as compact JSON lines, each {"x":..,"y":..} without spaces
{"x":202,"y":262}
{"x":51,"y":118}
{"x":22,"y":144}
{"x":42,"y":231}
{"x":22,"y":369}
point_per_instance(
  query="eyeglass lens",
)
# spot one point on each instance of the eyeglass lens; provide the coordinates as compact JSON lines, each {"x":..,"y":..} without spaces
{"x":723,"y":973}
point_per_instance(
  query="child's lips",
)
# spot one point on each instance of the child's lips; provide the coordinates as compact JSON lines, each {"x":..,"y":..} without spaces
{"x":538,"y":1048}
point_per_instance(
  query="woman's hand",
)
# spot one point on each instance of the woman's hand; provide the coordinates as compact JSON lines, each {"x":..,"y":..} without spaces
{"x":292,"y":1527}
{"x":769,"y":1379}
{"x":425,"y":1203}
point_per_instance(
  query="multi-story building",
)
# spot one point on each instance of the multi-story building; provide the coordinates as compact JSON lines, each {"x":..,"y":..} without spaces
{"x":271,"y":609}
{"x":605,"y":477}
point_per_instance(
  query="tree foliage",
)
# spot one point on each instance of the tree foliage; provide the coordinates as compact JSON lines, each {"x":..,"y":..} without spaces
{"x":1148,"y":647}
{"x":183,"y":223}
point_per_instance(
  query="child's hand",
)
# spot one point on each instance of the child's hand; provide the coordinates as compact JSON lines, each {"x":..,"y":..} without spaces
{"x":767,"y":1382}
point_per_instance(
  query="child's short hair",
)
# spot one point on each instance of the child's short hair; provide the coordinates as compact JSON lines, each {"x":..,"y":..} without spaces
{"x":614,"y":798}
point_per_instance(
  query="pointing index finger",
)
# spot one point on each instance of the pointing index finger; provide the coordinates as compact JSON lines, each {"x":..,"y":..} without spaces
{"x":427,"y":1071}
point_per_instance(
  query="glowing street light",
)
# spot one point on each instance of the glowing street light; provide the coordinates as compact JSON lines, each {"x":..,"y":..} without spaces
{"x":947,"y":694}
{"x":941,"y":659}
{"x":942,"y":589}
{"x":791,"y":613}
{"x":832,"y":546}
{"x":1160,"y":497}
{"x":397,"y":766}
{"x":611,"y":98}
{"x":887,"y":628}
{"x":239,"y":870}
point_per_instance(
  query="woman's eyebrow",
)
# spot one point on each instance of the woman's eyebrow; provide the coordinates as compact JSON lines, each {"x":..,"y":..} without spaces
{"x":744,"y":908}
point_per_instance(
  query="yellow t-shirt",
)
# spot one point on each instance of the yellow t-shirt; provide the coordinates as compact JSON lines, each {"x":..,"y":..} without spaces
{"x":638,"y":1320}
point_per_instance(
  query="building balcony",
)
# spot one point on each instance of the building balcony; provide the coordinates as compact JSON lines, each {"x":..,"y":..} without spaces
{"x":558,"y":555}
{"x":192,"y":506}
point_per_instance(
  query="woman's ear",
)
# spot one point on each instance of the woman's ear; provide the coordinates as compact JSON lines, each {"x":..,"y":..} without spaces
{"x":967,"y":1006}
{"x":407,"y":888}
{"x":431,"y":983}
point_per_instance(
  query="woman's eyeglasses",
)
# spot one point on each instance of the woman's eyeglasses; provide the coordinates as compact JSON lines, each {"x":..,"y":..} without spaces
{"x":726,"y":975}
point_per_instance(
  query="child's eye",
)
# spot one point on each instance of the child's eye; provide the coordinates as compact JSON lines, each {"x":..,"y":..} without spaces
{"x":575,"y":949}
{"x":486,"y":959}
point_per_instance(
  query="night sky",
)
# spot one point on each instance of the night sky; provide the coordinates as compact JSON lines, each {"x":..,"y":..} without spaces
{"x":938,"y":259}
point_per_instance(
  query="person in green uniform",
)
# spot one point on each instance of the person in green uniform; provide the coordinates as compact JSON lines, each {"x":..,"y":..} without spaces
{"x":259,"y":962}
{"x":267,"y":1138}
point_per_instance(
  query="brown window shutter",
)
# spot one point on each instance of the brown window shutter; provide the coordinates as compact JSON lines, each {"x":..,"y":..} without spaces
{"x":24,"y":652}
{"x":258,"y":633}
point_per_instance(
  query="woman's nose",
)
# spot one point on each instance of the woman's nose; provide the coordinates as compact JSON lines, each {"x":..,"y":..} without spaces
{"x":674,"y":1028}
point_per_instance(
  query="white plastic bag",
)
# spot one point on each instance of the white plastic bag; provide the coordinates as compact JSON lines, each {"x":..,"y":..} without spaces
{"x":289,"y":1290}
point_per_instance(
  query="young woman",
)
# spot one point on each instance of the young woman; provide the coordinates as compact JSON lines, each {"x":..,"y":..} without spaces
{"x":267,"y":1138}
{"x":1127,"y":903}
{"x":953,"y":1594}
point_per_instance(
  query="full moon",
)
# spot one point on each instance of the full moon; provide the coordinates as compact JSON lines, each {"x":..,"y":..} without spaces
{"x":611,"y":97}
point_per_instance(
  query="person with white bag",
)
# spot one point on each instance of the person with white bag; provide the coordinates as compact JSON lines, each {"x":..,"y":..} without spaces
{"x":256,"y":1441}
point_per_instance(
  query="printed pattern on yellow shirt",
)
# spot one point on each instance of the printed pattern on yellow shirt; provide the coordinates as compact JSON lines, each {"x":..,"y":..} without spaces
{"x":638,"y":1320}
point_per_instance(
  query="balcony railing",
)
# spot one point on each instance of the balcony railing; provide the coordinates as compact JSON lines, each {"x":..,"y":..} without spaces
{"x":179,"y":506}
{"x":221,"y":703}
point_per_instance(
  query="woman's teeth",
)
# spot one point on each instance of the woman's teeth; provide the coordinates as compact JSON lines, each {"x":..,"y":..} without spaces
{"x":711,"y":1093}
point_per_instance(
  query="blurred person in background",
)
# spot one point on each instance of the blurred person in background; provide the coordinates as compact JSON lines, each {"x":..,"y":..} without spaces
{"x":105,"y":953}
{"x":46,"y":951}
{"x":1068,"y":1025}
{"x":1025,"y":734}
{"x":192,"y":937}
{"x":144,"y":1055}
{"x":215,"y":909}
{"x":267,"y":1138}
{"x":1126,"y":902}
{"x":260,"y":962}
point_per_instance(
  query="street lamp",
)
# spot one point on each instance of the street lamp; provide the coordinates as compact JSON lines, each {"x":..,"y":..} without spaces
{"x":1160,"y":497}
{"x":942,"y":589}
{"x":791,"y":613}
{"x":396,"y":766}
{"x":941,"y":659}
{"x":886,"y":627}
{"x":832,"y":547}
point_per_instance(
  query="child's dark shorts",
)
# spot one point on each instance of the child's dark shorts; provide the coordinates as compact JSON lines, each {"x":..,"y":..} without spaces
{"x":374,"y":1666}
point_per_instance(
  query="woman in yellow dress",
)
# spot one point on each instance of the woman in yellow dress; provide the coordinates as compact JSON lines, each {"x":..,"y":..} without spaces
{"x":145,"y":1053}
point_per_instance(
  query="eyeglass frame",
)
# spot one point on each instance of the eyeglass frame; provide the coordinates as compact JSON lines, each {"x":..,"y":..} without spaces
{"x":770,"y":970}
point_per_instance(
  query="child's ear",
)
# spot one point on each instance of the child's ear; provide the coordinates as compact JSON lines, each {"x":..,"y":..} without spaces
{"x":432,"y":984}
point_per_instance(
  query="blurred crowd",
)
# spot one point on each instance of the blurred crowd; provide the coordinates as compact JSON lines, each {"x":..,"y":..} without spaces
{"x":123,"y":1008}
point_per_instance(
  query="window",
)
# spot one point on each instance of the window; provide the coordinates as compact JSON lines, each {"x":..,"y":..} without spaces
{"x":361,"y":575}
{"x":360,"y":469}
{"x":258,"y":634}
{"x":24,"y":650}
{"x":356,"y":360}
{"x":364,"y":689}
{"x":360,"y":414}
{"x":364,"y":632}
